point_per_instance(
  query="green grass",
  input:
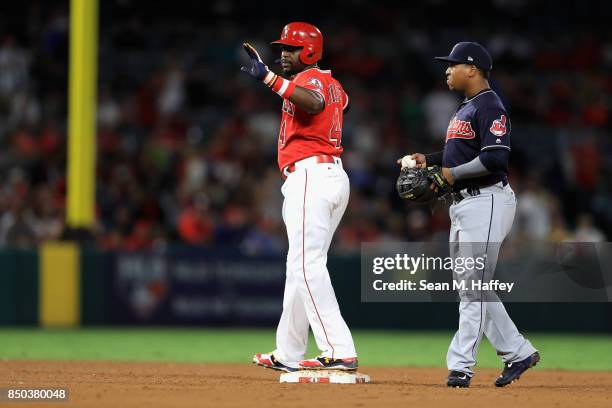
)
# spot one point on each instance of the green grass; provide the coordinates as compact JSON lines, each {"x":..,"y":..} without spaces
{"x":375,"y":348}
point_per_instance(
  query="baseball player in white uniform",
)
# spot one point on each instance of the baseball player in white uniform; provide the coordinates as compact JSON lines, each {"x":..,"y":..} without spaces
{"x":316,"y":192}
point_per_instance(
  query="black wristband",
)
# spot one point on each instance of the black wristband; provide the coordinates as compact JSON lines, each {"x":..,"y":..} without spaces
{"x":434,"y":159}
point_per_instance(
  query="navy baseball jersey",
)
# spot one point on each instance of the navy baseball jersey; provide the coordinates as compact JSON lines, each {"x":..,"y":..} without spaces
{"x":480,"y":123}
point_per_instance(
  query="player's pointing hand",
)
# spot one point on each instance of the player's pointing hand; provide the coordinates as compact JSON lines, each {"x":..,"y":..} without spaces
{"x":258,"y":69}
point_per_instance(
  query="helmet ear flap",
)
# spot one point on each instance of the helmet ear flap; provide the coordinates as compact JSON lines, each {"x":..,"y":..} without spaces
{"x":307,"y":54}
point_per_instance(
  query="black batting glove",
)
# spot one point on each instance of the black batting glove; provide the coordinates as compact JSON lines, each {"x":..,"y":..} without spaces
{"x":258,"y":69}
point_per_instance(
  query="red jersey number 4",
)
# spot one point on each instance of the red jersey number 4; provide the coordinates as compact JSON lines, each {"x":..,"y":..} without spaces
{"x":335,"y":133}
{"x":281,"y":134}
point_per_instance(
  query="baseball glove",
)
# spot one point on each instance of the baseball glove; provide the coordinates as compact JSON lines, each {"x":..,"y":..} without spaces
{"x":414,"y":184}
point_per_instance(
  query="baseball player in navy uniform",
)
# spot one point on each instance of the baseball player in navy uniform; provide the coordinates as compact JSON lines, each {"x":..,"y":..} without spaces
{"x":475,"y":162}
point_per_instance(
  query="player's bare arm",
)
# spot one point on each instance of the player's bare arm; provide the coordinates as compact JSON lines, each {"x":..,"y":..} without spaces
{"x":305,"y":99}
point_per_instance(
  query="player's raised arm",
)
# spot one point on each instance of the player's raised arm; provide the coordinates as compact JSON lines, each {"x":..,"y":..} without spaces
{"x":305,"y":99}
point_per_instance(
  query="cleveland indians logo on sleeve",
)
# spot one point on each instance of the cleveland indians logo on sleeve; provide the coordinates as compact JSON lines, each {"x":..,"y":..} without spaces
{"x":498,"y":128}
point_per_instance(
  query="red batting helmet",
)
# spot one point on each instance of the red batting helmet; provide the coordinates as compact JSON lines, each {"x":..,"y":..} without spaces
{"x":303,"y":35}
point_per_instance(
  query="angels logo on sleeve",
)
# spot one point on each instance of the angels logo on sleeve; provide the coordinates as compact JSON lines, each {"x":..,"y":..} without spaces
{"x":316,"y":83}
{"x":498,"y":128}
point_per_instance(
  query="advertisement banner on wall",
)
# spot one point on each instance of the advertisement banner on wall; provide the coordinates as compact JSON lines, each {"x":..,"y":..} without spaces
{"x":196,"y":288}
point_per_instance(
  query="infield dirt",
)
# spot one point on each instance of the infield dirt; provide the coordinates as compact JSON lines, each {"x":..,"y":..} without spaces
{"x":119,"y":385}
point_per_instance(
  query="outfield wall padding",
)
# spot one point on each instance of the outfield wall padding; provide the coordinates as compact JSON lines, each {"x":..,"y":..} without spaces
{"x":193,"y":287}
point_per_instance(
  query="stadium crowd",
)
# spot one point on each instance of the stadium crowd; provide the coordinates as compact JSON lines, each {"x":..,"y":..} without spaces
{"x":187,"y":144}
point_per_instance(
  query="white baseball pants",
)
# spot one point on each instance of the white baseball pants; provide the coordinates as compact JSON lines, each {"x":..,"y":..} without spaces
{"x":316,"y":196}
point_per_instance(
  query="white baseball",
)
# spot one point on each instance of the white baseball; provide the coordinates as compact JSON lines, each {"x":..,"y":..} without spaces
{"x":409,"y":162}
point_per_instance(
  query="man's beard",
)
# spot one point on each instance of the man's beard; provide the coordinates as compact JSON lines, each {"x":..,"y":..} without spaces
{"x":287,"y":73}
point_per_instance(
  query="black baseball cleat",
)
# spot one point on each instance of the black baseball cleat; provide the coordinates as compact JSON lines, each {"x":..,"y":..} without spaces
{"x":458,"y":379}
{"x":267,"y":360}
{"x":513,"y":371}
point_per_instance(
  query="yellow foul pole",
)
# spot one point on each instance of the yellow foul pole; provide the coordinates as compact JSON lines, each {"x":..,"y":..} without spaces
{"x":82,"y":113}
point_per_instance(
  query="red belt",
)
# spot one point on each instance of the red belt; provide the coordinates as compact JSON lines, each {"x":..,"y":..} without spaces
{"x":322,"y":158}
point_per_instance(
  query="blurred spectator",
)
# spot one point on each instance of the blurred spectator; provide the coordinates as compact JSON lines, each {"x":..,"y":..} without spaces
{"x":20,"y":233}
{"x":108,"y":114}
{"x":47,"y":222}
{"x":195,"y":225}
{"x":533,"y":212}
{"x":13,"y":67}
{"x":439,"y":106}
{"x":586,"y":231}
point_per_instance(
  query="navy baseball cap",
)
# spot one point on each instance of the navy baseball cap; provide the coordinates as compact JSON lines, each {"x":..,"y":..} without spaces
{"x":470,"y":53}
